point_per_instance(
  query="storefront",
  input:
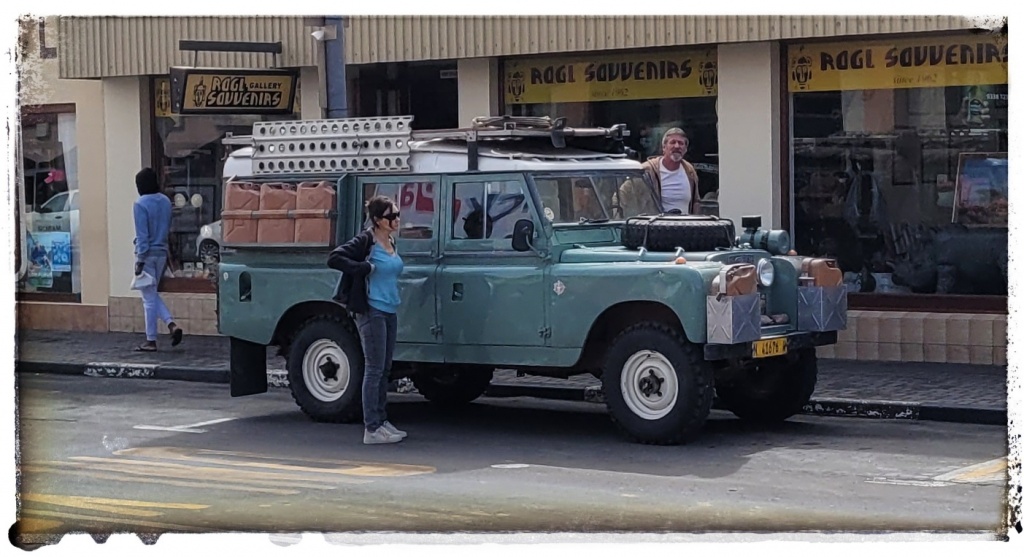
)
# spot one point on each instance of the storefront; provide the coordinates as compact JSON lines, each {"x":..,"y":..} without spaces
{"x":649,"y":91}
{"x":899,"y":165}
{"x":189,"y":155}
{"x":898,"y":156}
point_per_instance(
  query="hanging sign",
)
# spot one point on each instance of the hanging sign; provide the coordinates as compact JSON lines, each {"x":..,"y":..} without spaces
{"x":230,"y":91}
{"x":899,"y":63}
{"x":625,"y":77}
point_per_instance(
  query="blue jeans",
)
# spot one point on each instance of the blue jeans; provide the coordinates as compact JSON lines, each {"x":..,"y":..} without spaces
{"x":377,"y":331}
{"x":151,"y":301}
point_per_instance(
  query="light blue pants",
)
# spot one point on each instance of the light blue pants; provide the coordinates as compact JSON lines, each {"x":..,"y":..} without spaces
{"x":151,"y":301}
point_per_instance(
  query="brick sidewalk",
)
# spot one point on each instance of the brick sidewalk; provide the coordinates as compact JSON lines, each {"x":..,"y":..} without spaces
{"x":945,"y":385}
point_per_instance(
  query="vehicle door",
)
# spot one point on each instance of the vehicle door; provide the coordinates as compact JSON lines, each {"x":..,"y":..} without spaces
{"x":418,"y":245}
{"x":490,"y":295}
{"x":53,"y":216}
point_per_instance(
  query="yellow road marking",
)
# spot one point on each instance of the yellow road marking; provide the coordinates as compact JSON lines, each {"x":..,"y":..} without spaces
{"x":124,"y":507}
{"x":990,"y":471}
{"x":183,"y":471}
{"x":342,"y":467}
{"x":158,"y":480}
{"x":117,"y":520}
{"x":37,"y":525}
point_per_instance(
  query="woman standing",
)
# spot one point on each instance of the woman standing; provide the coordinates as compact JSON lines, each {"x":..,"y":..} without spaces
{"x":152,"y":213}
{"x":369,"y":289}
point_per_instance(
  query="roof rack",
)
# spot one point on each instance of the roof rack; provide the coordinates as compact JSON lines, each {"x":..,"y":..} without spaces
{"x":381,"y":144}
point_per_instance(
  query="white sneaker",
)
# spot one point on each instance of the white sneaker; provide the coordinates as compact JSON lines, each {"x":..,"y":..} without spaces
{"x":394,"y":430}
{"x":379,"y":437}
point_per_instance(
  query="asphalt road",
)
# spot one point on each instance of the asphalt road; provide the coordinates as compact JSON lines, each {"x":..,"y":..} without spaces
{"x":117,"y":455}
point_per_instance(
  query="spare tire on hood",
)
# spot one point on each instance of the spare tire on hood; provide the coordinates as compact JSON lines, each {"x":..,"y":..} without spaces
{"x":668,"y":232}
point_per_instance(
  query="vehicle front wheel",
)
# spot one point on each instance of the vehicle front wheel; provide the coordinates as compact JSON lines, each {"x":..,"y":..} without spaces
{"x":773,"y":390}
{"x":209,"y":252}
{"x":657,"y":385}
{"x":325,"y":370}
{"x":452,"y":386}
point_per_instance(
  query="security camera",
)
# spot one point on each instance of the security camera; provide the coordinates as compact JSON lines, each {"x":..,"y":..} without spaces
{"x":318,"y":34}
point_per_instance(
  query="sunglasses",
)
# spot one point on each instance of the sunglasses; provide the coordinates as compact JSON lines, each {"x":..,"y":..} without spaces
{"x":391,"y":216}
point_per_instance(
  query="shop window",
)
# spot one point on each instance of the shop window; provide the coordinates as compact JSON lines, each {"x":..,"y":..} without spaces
{"x":190,"y":158}
{"x":49,"y":149}
{"x":906,"y":187}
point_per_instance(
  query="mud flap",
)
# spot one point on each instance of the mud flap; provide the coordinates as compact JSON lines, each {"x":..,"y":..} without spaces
{"x":248,"y":368}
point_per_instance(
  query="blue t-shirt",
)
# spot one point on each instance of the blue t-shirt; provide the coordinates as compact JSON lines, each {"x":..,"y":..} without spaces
{"x":383,"y":281}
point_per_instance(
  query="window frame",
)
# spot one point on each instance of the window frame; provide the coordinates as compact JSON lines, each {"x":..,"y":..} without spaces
{"x":51,"y":297}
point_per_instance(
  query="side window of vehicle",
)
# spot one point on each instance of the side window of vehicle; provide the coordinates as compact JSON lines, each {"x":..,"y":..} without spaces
{"x":415,"y":201}
{"x":487,"y":211}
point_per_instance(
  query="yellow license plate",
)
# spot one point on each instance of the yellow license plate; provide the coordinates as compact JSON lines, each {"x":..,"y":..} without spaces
{"x":771,"y":347}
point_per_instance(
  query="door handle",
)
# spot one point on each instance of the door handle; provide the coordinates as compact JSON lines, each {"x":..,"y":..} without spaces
{"x":457,"y":292}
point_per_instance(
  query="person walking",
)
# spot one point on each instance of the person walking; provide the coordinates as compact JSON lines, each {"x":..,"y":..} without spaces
{"x":152,"y":214}
{"x":369,"y":289}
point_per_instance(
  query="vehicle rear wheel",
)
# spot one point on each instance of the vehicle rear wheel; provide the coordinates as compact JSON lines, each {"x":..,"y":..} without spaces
{"x":452,"y":386}
{"x":657,"y":385}
{"x":774,"y":390}
{"x":325,"y":370}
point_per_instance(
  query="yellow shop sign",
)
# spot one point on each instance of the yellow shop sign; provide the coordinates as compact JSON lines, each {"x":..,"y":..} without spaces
{"x":232,"y":91}
{"x":692,"y":73}
{"x":899,"y":63}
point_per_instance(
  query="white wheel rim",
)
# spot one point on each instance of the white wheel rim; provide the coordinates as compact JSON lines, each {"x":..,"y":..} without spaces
{"x":317,"y":362}
{"x":649,"y":385}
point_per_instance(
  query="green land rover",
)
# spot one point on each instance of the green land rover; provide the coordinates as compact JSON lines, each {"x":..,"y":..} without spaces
{"x":529,"y":246}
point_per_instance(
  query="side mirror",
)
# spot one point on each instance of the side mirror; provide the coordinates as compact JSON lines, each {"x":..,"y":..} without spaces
{"x":522,"y":235}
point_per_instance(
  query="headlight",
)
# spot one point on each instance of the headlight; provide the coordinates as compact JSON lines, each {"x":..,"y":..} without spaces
{"x":206,"y":231}
{"x":765,"y":272}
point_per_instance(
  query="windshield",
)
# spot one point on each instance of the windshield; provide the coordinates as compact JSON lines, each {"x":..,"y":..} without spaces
{"x":55,"y":204}
{"x":594,"y":196}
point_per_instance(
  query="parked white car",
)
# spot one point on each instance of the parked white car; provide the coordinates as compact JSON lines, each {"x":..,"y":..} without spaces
{"x":208,"y":243}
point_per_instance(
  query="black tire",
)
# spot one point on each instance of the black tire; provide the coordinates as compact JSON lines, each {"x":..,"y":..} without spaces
{"x":315,"y":399}
{"x":209,"y":252}
{"x":452,"y":386}
{"x":691,"y":380}
{"x":667,"y":233}
{"x":772,"y":391}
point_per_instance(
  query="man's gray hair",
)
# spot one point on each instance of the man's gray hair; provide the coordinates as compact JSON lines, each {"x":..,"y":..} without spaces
{"x":672,"y":131}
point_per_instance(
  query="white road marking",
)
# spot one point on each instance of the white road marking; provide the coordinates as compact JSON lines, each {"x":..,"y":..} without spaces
{"x":509,"y":466}
{"x":912,"y":483}
{"x":190,"y":428}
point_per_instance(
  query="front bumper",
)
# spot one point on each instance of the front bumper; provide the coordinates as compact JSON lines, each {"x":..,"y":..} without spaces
{"x":797,"y":340}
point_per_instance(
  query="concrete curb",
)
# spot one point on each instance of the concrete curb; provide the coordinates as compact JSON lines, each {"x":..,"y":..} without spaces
{"x":278,"y":378}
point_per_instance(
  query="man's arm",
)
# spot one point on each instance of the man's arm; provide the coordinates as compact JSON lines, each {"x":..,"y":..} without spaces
{"x":142,"y":239}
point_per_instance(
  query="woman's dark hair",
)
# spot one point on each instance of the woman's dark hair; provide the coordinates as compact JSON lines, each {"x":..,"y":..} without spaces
{"x":376,"y":207}
{"x":146,"y":181}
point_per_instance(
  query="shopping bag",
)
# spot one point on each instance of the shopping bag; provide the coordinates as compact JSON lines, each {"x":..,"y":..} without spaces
{"x":143,"y":281}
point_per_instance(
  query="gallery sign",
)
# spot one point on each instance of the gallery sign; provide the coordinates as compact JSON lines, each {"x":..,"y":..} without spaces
{"x":231,"y":91}
{"x":899,"y":63}
{"x":687,"y":73}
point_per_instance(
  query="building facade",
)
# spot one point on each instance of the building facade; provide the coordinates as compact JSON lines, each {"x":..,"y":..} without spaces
{"x":880,"y":141}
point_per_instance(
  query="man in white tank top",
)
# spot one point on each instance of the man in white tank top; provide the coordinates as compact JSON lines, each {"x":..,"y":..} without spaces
{"x":675,"y":180}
